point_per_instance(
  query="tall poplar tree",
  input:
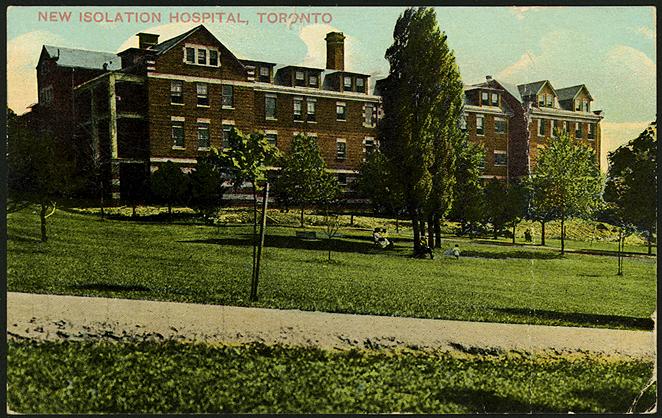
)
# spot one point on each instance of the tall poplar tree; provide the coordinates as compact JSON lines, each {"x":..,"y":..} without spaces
{"x":422,"y":105}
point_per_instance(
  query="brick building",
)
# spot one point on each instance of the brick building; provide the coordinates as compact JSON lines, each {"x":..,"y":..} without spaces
{"x":514,"y":122}
{"x":173,"y":100}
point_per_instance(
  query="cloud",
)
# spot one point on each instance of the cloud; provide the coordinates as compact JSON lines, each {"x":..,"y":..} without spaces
{"x":313,"y":36}
{"x":615,"y":134}
{"x":646,"y":32}
{"x":521,"y":66}
{"x":520,"y":12}
{"x":22,"y":57}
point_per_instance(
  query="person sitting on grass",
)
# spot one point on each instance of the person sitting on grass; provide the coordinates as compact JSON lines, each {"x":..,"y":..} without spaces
{"x":380,"y":240}
{"x":424,"y":248}
{"x":456,"y":252}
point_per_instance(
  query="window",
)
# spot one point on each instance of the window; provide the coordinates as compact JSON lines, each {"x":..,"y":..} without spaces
{"x":565,"y":126}
{"x":310,"y":108}
{"x":176,"y":92}
{"x":206,"y":56}
{"x":202,"y":56}
{"x":340,"y":111}
{"x":368,"y":114}
{"x":227,"y":96}
{"x":500,"y":158}
{"x":578,"y":105}
{"x":203,"y":97}
{"x":368,"y":146}
{"x":500,"y":125}
{"x":591,"y":131}
{"x":300,"y":78}
{"x":463,"y":123}
{"x":578,"y":130}
{"x":480,"y":121}
{"x":485,"y":98}
{"x":265,"y":74}
{"x":549,"y":99}
{"x":272,"y":137}
{"x":178,"y":134}
{"x":585,"y":105}
{"x":226,"y":135}
{"x":190,"y":55}
{"x":341,"y":149}
{"x":297,"y":109}
{"x":495,"y":99}
{"x":541,"y":127}
{"x":312,"y":81}
{"x":541,"y":100}
{"x":555,"y":128}
{"x":360,"y":86}
{"x":203,"y":135}
{"x":342,"y":179}
{"x":46,"y":95}
{"x":347,"y":83}
{"x":270,"y":107}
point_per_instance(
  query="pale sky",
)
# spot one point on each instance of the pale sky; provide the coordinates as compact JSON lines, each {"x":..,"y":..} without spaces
{"x":610,"y":49}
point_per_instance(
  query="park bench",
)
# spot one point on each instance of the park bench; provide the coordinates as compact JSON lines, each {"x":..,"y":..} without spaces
{"x":307,"y":234}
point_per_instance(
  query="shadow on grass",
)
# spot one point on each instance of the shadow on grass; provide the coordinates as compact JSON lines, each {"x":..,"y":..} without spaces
{"x":31,"y":240}
{"x":612,"y":253}
{"x":610,"y":399}
{"x":279,"y":241}
{"x":481,"y":401}
{"x":583,"y":319}
{"x":538,"y":255}
{"x":106,"y":287}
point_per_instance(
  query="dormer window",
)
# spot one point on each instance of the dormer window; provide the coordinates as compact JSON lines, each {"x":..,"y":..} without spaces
{"x":585,"y":105}
{"x":495,"y":99}
{"x":300,"y":77}
{"x":549,"y":101}
{"x":360,"y":86}
{"x":485,"y":98}
{"x":541,"y":100}
{"x":347,"y":83}
{"x":578,"y":105}
{"x":201,"y":55}
{"x":312,"y":81}
{"x":265,"y":74}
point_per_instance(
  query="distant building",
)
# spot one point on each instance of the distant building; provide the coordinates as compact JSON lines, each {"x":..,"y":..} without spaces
{"x":515,"y":122}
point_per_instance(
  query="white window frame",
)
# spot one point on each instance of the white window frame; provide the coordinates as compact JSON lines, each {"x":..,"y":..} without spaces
{"x":344,"y":106}
{"x":297,"y":101}
{"x":264,"y":71}
{"x":494,"y":95}
{"x":275,"y":99}
{"x":198,"y":95}
{"x":311,"y":104}
{"x":344,"y":82}
{"x":541,"y":127}
{"x":178,"y":120}
{"x":181,"y":92}
{"x":590,"y":133}
{"x":200,"y":124}
{"x":500,"y":152}
{"x":344,"y":154}
{"x":496,"y":119}
{"x":196,"y":57}
{"x":273,"y":133}
{"x":223,"y":96}
{"x":482,"y":125}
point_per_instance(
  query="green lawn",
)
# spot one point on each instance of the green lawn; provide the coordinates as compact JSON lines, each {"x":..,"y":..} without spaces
{"x":208,"y":264}
{"x":101,"y":377}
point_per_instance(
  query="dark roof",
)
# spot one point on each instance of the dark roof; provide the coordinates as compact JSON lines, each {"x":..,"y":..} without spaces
{"x":530,"y":89}
{"x":81,"y":58}
{"x":569,"y":93}
{"x":165,"y":46}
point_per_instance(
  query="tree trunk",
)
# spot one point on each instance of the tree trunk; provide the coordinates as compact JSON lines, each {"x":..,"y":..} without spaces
{"x":169,"y":209}
{"x":514,"y":228}
{"x":302,"y":206}
{"x":650,"y":241}
{"x":494,"y":231}
{"x":542,"y":233}
{"x":133,"y":211}
{"x":417,"y":233}
{"x":437,"y":231}
{"x":562,"y":234}
{"x":397,"y":223}
{"x":421,"y":226}
{"x":42,"y":217}
{"x":431,"y":230}
{"x":101,"y":201}
{"x":351,"y":219}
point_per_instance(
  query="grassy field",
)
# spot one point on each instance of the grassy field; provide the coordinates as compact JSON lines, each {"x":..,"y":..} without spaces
{"x":181,"y":261}
{"x":78,"y":377}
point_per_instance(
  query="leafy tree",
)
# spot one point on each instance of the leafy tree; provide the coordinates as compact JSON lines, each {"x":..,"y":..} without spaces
{"x":496,"y":202}
{"x":303,"y":178}
{"x":571,"y":179}
{"x":631,"y":187}
{"x":422,"y":100}
{"x":40,"y":171}
{"x":468,"y":198}
{"x":169,"y":184}
{"x":518,"y":194}
{"x":376,"y":183}
{"x":541,"y":209}
{"x":206,"y":188}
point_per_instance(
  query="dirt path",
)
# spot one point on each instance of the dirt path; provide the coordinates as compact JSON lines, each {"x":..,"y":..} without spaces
{"x":74,"y":317}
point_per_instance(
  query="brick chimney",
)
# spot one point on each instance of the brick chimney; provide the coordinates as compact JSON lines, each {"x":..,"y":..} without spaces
{"x":146,"y":40}
{"x":488,"y":77}
{"x":335,"y":51}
